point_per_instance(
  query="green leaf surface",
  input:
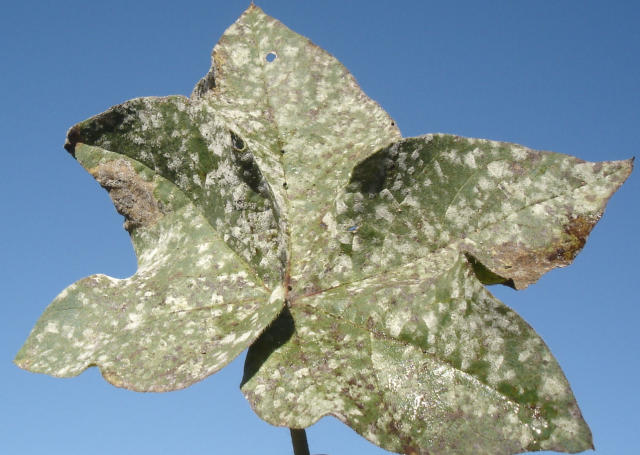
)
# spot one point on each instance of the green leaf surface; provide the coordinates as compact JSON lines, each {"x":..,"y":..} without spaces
{"x":279,"y":208}
{"x":193,"y":305}
{"x":394,"y":332}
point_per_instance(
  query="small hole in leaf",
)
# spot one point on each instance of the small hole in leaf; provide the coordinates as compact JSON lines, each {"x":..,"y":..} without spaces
{"x":271,"y":56}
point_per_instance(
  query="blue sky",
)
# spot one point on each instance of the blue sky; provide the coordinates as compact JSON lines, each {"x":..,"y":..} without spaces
{"x":561,"y":76}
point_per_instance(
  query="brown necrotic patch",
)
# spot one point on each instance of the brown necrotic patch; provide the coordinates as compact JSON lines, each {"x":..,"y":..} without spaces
{"x":131,"y":195}
{"x":579,"y":228}
{"x":576,"y":232}
{"x":518,"y":265}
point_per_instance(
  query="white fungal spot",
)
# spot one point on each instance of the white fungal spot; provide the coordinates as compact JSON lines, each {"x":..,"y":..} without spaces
{"x":470,"y":160}
{"x":430,"y":319}
{"x":230,"y":338}
{"x":134,"y":321}
{"x":301,"y":372}
{"x":382,"y":212}
{"x":498,"y":169}
{"x":52,"y":327}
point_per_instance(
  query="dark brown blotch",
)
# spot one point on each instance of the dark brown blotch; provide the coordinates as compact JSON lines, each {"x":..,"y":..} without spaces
{"x":131,"y":195}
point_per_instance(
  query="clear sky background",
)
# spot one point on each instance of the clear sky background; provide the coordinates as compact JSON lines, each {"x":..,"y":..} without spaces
{"x":561,"y":76}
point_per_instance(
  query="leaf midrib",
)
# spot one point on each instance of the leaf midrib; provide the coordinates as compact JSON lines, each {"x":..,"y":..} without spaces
{"x":280,"y":144}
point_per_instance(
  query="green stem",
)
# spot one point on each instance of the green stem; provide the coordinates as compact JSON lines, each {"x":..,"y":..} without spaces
{"x":299,"y":441}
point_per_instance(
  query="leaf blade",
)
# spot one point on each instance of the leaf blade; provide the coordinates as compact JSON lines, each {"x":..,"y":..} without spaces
{"x":379,"y":268}
{"x":393,"y":229}
{"x":302,"y":108}
{"x":198,"y":305}
{"x":400,"y":205}
{"x":436,"y":363}
{"x":190,"y":146}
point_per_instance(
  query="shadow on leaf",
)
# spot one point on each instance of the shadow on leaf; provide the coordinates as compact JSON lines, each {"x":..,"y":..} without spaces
{"x":277,"y":334}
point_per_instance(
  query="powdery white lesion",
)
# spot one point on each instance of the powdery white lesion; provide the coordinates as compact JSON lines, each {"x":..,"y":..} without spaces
{"x":498,"y":169}
{"x":52,"y":327}
{"x":135,"y":320}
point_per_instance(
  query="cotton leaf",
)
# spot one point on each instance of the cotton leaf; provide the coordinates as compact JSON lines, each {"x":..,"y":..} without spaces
{"x":278,"y":208}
